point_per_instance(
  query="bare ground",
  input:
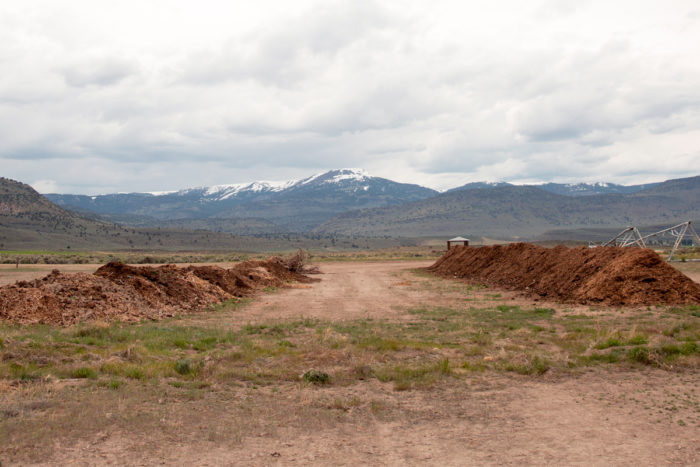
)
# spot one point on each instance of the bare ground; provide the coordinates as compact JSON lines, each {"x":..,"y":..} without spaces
{"x":594,"y":416}
{"x":592,"y":419}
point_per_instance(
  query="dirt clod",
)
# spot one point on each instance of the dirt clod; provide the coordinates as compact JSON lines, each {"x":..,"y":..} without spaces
{"x":120,"y":292}
{"x":604,"y":275}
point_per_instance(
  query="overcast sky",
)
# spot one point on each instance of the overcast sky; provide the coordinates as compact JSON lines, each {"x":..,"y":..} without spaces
{"x":99,"y":97}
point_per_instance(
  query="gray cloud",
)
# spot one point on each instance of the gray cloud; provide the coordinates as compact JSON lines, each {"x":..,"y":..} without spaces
{"x":441,"y":95}
{"x":98,"y":72}
{"x":291,"y":49}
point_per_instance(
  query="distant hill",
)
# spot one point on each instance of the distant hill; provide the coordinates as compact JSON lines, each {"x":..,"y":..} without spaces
{"x":19,"y":200}
{"x":293,"y":206}
{"x":567,"y":189}
{"x":28,"y":217}
{"x":522,"y":211}
{"x":476,"y":185}
{"x":588,"y":189}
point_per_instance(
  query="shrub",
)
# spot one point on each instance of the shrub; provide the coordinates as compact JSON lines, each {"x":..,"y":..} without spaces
{"x":183,"y":366}
{"x":363,"y":372}
{"x":641,"y":355}
{"x":536,"y":366}
{"x":316,"y":377}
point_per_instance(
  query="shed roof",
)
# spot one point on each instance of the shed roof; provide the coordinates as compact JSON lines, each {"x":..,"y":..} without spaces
{"x":459,"y":239}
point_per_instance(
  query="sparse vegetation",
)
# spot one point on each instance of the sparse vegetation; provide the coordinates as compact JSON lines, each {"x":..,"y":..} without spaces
{"x":501,"y":338}
{"x":209,"y":360}
{"x":84,"y":372}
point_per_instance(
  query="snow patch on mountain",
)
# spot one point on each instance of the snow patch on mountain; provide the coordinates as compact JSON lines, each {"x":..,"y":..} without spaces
{"x":337,"y":176}
{"x":588,"y":186}
{"x":348,"y":174}
{"x":310,"y":179}
{"x":160,"y":193}
{"x":221,"y":192}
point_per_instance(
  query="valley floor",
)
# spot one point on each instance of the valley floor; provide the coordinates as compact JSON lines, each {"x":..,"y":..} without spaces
{"x":423,"y":371}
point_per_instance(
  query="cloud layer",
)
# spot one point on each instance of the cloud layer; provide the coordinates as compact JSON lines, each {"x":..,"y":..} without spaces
{"x":143,"y":96}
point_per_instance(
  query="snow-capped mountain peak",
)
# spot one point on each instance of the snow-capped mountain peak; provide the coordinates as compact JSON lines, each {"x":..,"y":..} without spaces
{"x":359,"y":175}
{"x":229,"y":191}
{"x":336,"y":176}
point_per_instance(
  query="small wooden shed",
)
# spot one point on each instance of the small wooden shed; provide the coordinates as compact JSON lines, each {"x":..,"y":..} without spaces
{"x":457,"y":241}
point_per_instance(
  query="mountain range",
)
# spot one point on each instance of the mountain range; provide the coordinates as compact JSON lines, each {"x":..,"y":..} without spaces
{"x":350,"y":202}
{"x":304,"y":205}
{"x":293,"y":206}
{"x":509,"y":212}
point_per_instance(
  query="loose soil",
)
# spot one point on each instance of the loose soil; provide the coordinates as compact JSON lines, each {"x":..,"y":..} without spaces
{"x":588,"y":276}
{"x":120,"y":292}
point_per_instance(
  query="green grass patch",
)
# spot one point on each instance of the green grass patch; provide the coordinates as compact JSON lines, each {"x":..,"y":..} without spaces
{"x":115,"y":384}
{"x":611,"y":342}
{"x":380,"y":343}
{"x":638,"y":340}
{"x":614,"y":356}
{"x":414,"y":376}
{"x":228,"y":305}
{"x":84,"y":372}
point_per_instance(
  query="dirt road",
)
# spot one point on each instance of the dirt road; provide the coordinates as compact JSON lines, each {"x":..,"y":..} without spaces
{"x":345,"y":291}
{"x":595,"y":418}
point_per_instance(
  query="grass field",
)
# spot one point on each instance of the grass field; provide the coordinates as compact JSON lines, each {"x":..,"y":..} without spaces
{"x":441,"y":342}
{"x":161,"y":257}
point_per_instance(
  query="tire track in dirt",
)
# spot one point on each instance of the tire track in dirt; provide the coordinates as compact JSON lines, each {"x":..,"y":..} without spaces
{"x":346,"y":291}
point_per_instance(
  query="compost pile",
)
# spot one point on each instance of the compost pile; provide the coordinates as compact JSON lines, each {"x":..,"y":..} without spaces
{"x":603,"y":275}
{"x":119,"y":292}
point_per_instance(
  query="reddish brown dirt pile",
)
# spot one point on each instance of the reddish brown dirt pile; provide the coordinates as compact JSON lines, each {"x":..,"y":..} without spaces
{"x":605,"y":275}
{"x":119,"y":292}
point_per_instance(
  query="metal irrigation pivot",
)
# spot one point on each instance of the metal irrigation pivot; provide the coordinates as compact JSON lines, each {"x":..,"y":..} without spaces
{"x":631,"y":236}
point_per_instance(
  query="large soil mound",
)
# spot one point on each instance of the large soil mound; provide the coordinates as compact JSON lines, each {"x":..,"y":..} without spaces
{"x":121,"y":292}
{"x":604,"y":275}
